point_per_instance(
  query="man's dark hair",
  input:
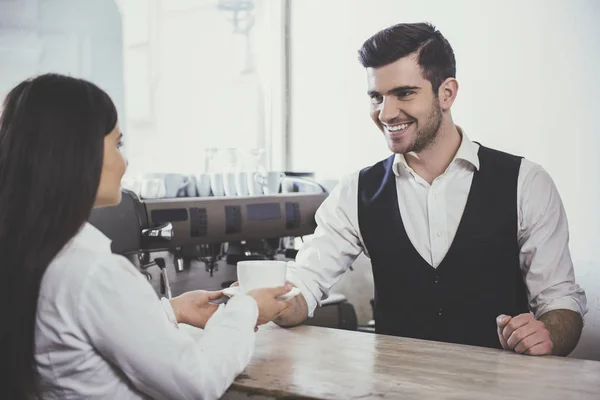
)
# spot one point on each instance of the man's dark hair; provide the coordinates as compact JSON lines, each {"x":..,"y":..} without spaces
{"x":435,"y":55}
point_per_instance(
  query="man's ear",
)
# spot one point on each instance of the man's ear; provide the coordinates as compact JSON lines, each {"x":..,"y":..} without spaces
{"x":447,"y":93}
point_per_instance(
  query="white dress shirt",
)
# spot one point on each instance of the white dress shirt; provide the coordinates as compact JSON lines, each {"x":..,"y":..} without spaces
{"x":102,"y":333}
{"x":431,"y":215}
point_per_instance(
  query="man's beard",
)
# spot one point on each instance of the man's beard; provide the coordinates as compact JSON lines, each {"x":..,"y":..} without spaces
{"x":426,"y":135}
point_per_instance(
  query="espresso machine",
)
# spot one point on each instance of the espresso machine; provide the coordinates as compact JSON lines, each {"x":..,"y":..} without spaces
{"x":190,"y":243}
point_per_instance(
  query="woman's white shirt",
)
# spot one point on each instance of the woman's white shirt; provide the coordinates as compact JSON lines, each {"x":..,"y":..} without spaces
{"x":103,"y":333}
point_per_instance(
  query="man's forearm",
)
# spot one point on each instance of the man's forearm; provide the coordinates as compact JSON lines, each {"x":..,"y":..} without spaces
{"x":565,"y":328}
{"x":295,"y":314}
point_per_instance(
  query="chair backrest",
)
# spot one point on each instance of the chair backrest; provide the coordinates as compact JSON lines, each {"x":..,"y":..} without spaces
{"x":122,"y":223}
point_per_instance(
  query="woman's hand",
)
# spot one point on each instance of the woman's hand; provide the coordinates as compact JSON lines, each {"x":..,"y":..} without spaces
{"x":194,"y":308}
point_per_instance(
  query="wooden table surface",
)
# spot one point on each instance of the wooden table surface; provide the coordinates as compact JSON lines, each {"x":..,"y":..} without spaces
{"x":320,"y":363}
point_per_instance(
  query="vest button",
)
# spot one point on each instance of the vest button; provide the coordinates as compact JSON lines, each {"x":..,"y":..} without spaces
{"x":436,"y":279}
{"x":440,"y":311}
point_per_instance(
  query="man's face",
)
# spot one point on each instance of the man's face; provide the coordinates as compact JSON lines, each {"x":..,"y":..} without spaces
{"x":404,"y":106}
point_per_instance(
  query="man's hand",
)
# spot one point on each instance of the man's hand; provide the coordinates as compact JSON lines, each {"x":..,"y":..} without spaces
{"x":524,"y":334}
{"x":194,"y":308}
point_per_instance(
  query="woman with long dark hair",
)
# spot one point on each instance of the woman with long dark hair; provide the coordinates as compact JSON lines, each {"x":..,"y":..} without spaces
{"x":77,"y":320}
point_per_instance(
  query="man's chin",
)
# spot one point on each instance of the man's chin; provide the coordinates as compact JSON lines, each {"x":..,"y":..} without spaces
{"x":398,"y":148}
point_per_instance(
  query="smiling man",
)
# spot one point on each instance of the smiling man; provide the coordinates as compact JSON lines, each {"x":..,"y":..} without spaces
{"x":468,"y":244}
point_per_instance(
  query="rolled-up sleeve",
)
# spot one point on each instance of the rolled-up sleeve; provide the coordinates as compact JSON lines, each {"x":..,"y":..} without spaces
{"x":544,"y":242}
{"x":335,"y":245}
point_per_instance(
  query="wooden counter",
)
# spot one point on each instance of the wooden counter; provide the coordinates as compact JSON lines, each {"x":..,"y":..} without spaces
{"x":319,"y":363}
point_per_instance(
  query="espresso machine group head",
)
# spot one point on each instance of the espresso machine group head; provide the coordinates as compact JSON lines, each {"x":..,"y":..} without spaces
{"x":198,"y":227}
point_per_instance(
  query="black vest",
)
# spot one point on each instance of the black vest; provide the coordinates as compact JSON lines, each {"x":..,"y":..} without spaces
{"x":480,"y":276}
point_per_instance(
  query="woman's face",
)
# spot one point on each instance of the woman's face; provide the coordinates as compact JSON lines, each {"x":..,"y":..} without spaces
{"x":113,"y":168}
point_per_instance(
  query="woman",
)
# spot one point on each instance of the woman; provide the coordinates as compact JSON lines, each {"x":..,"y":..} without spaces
{"x":77,"y":320}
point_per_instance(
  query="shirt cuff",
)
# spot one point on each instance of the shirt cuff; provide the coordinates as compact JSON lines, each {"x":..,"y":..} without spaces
{"x":168,"y":308}
{"x":563,"y":303}
{"x":310,"y":298}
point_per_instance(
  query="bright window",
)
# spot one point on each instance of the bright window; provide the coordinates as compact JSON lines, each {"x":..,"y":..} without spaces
{"x":202,"y":74}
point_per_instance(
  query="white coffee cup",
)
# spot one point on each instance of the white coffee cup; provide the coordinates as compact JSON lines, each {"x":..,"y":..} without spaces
{"x":254,"y":187}
{"x":203,"y":185}
{"x":153,"y":188}
{"x":192,"y":188}
{"x":216,"y":184}
{"x":229,"y":184}
{"x":175,"y":184}
{"x":260,"y":274}
{"x":270,"y":181}
{"x":241,"y":183}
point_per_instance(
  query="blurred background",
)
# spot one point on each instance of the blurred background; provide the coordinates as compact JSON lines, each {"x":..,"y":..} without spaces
{"x":278,"y":82}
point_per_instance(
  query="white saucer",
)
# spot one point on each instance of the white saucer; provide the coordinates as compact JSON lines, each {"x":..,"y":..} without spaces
{"x":235,"y":290}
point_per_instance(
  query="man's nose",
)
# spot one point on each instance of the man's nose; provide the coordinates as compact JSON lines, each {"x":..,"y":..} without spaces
{"x":389,"y":110}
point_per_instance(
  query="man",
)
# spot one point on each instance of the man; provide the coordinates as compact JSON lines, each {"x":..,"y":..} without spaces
{"x":468,"y":244}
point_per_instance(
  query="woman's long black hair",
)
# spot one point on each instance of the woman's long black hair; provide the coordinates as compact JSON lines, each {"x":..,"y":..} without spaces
{"x":52,"y":131}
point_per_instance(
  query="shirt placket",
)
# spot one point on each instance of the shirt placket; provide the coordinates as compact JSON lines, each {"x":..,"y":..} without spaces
{"x":436,"y":207}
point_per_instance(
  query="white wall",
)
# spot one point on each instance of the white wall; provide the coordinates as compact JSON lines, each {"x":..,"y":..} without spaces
{"x":528,"y":84}
{"x":192,"y":83}
{"x":74,"y":37}
{"x":173,"y":65}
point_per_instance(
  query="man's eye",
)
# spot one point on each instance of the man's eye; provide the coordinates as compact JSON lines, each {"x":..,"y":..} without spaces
{"x":376,"y":99}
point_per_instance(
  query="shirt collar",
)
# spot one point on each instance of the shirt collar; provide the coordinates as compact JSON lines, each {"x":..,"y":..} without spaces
{"x":467,"y":151}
